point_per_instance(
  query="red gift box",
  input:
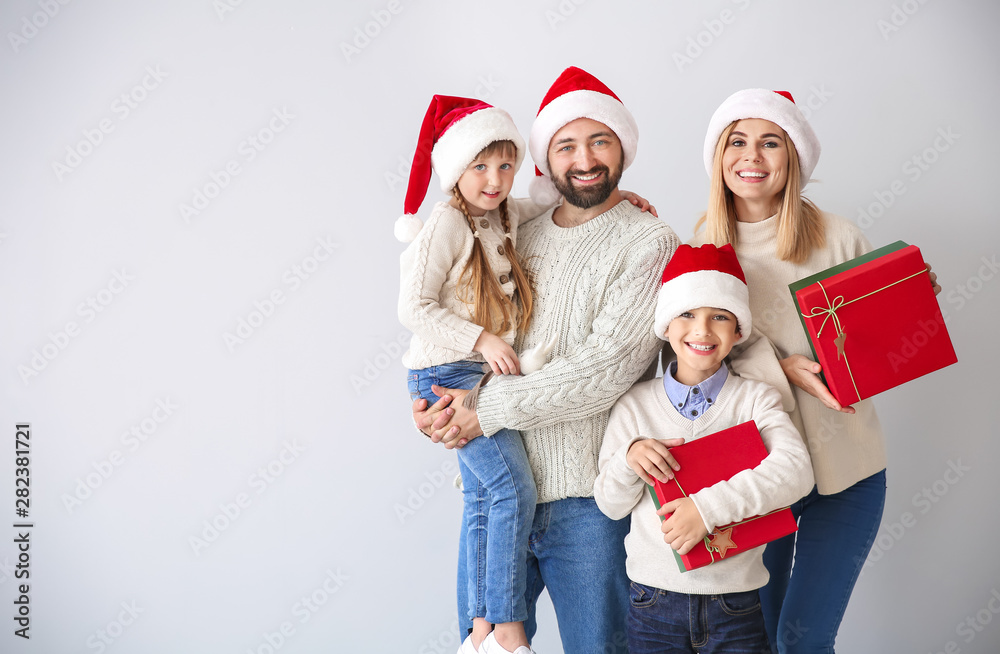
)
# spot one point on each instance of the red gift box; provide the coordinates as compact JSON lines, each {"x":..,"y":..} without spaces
{"x":706,"y":461}
{"x":874,"y":322}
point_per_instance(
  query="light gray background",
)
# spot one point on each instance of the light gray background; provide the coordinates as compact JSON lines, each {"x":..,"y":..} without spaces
{"x":355,"y":499}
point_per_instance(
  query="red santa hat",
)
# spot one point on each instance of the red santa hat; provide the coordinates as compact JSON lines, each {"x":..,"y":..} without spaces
{"x":576,"y":94}
{"x":776,"y":106}
{"x":454,"y":131}
{"x":708,"y":276}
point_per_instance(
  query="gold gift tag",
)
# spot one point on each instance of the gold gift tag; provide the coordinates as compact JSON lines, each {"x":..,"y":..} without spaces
{"x":839,"y":342}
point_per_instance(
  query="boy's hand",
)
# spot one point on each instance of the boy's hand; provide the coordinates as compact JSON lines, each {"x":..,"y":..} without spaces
{"x":650,"y":458}
{"x":685,"y":528}
{"x":501,"y":357}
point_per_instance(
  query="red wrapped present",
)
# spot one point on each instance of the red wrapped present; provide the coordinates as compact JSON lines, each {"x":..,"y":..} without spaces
{"x":705,"y":462}
{"x":874,"y":322}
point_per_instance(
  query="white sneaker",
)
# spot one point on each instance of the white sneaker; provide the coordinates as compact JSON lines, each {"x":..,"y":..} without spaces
{"x":468,"y":648}
{"x":491,"y":646}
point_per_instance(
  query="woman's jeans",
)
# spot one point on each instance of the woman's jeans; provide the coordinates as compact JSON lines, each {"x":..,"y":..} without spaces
{"x":499,"y":504}
{"x":804,"y":604}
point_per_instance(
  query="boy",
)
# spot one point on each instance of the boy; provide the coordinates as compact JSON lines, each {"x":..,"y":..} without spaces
{"x":702,"y":310}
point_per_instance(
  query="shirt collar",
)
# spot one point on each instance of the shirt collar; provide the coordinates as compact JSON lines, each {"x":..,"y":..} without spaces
{"x":680,"y":394}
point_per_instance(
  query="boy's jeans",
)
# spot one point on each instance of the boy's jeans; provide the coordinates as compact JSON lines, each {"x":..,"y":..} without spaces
{"x":499,"y":504}
{"x":662,"y":621}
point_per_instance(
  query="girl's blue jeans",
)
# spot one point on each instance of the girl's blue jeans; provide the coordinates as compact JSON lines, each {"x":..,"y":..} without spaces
{"x":804,"y":603}
{"x":499,"y":504}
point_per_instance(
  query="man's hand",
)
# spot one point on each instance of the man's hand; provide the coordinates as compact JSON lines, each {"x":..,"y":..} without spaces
{"x":804,"y":373}
{"x":429,"y":419}
{"x":447,"y":421}
{"x":651,"y":458}
{"x":685,"y":528}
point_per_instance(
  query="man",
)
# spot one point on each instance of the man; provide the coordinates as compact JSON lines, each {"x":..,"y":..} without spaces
{"x":596,"y":261}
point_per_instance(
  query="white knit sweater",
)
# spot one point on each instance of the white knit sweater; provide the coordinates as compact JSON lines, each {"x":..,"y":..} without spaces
{"x":596,"y":287}
{"x":430,"y":268}
{"x":845,"y":448}
{"x":780,"y":479}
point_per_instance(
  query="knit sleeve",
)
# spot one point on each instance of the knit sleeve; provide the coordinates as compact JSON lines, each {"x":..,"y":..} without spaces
{"x":424,"y":268}
{"x":618,"y":349}
{"x":783,"y":477}
{"x":618,"y":489}
{"x":526,"y":209}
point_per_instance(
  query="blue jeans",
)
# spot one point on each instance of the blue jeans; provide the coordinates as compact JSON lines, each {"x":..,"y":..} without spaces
{"x":499,"y":504}
{"x":662,"y":621}
{"x":804,"y":604}
{"x":578,"y":554}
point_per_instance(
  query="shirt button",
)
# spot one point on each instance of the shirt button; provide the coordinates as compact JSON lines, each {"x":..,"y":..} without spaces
{"x":694,"y":412}
{"x":695,"y":391}
{"x":500,"y":249}
{"x":484,"y":223}
{"x":709,"y":400}
{"x":503,"y":279}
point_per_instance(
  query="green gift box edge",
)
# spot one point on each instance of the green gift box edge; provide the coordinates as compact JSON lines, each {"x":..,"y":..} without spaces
{"x":656,"y":502}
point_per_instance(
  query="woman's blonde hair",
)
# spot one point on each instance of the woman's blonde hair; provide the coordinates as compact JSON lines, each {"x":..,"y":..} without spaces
{"x":478,"y":286}
{"x":800,"y":223}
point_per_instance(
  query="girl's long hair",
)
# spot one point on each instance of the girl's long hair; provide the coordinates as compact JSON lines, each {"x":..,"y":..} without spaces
{"x":478,"y":285}
{"x":800,"y":223}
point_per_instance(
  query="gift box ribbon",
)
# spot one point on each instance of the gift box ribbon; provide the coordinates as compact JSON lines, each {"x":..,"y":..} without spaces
{"x":830,"y":311}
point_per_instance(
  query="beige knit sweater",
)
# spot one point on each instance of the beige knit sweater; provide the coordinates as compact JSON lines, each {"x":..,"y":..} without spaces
{"x":844,"y":448}
{"x":596,"y":288}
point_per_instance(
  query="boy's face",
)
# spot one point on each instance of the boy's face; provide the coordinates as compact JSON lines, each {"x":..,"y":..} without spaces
{"x":701,"y":338}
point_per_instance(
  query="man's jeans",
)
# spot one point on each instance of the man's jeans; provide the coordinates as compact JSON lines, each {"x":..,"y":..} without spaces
{"x":499,"y":503}
{"x":578,"y":554}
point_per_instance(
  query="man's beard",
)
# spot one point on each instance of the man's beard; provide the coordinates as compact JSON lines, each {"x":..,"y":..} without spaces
{"x":588,"y":196}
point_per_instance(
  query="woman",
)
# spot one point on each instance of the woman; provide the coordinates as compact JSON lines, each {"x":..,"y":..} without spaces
{"x":760,"y":152}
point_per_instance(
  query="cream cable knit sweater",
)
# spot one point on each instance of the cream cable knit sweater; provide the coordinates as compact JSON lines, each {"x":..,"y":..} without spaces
{"x":596,"y":288}
{"x":845,"y":448}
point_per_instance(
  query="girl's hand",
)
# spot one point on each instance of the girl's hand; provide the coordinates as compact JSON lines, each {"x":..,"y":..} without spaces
{"x":804,"y":373}
{"x":501,"y":357}
{"x":640,"y":202}
{"x":650,"y":458}
{"x":685,"y":528}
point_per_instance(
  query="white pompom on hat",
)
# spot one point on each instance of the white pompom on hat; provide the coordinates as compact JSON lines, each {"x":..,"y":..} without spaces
{"x":453,"y":132}
{"x":706,"y":276}
{"x":775,"y":106}
{"x":576,"y":94}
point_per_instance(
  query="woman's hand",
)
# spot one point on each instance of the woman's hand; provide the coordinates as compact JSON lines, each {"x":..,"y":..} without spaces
{"x":501,"y":357}
{"x":804,"y":373}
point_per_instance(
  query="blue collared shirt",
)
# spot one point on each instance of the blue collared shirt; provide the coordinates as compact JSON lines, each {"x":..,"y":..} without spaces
{"x":692,"y":401}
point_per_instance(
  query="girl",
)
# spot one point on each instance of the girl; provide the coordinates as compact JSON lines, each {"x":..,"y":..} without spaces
{"x":760,"y":152}
{"x":463,"y":293}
